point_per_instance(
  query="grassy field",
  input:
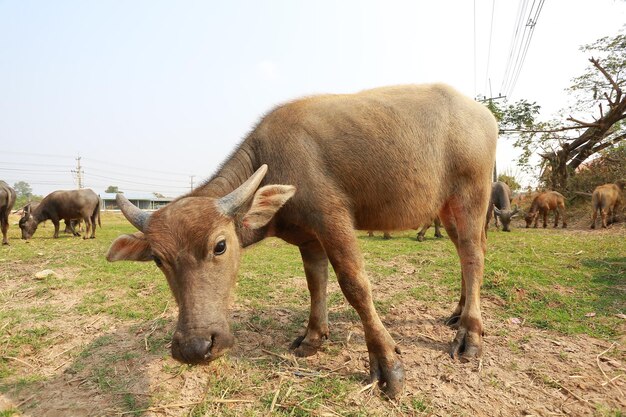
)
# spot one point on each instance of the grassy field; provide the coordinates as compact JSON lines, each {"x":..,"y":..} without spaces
{"x":93,"y":337}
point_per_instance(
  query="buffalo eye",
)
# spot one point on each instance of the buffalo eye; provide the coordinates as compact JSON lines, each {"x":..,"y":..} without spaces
{"x":157,"y":261}
{"x":220,"y":247}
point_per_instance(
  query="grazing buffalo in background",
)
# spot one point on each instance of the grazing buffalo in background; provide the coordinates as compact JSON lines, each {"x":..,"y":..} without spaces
{"x":70,"y":227}
{"x":386,"y":235}
{"x":64,"y":205}
{"x":420,"y":150}
{"x":422,"y":232}
{"x":606,"y":199}
{"x":500,"y":206}
{"x":542,"y":204}
{"x":7,"y":200}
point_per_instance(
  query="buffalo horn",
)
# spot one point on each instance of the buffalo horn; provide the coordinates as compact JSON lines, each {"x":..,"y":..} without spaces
{"x":133,"y":214}
{"x":230,"y":203}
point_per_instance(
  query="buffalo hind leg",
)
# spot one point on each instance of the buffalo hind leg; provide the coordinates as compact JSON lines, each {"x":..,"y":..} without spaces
{"x":316,"y":270}
{"x":88,"y":226}
{"x":94,"y":219}
{"x":4,"y":223}
{"x":450,"y":225}
{"x":465,"y":221}
{"x":343,"y":251}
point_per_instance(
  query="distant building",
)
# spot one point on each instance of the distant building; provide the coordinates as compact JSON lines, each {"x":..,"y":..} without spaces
{"x":145,"y":201}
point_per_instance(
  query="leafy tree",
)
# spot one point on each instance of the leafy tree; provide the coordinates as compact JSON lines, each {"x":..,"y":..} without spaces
{"x":565,"y":144}
{"x":23,"y":189}
{"x":112,"y":189}
{"x":510,"y":181}
{"x":24,"y":194}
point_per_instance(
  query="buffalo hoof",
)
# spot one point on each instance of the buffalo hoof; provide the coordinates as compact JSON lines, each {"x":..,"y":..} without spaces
{"x":303,"y":346}
{"x":420,"y":238}
{"x":5,"y":243}
{"x":466,"y":345}
{"x":92,"y":237}
{"x":453,"y":321}
{"x":389,"y":374}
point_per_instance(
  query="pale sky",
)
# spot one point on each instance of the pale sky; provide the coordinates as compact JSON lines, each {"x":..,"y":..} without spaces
{"x":150,"y":92}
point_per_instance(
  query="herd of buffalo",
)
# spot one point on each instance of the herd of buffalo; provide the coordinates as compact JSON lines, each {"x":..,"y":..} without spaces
{"x":310,"y":173}
{"x":76,"y":206}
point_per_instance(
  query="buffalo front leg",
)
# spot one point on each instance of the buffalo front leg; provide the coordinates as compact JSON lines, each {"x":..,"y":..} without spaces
{"x":56,"y":228}
{"x":316,"y":271}
{"x":385,"y":364}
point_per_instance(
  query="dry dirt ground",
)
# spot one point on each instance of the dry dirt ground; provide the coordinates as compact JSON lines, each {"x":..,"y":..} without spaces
{"x":524,"y":371}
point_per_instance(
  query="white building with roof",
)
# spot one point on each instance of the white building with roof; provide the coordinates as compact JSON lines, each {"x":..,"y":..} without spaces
{"x":145,"y":201}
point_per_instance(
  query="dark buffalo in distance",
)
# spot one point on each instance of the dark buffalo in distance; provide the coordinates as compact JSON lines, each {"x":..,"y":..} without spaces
{"x":7,"y":200}
{"x":386,"y":235}
{"x":419,"y":150}
{"x":500,"y":206}
{"x":542,"y":205}
{"x":65,"y":205}
{"x":422,"y":232}
{"x":70,"y":227}
{"x":606,"y":199}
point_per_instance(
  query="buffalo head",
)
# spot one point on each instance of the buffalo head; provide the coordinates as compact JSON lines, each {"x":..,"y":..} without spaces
{"x":505,"y":217}
{"x":530,"y":217}
{"x":196,"y":241}
{"x":28,"y":225}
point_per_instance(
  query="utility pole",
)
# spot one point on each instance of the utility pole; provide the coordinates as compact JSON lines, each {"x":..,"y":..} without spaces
{"x":191,"y":182}
{"x":79,"y":173}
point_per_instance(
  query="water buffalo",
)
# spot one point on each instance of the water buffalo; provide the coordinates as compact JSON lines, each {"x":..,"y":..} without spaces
{"x":386,"y":235}
{"x":422,"y":232}
{"x":7,"y":200}
{"x":67,"y":205}
{"x":420,"y":150}
{"x":542,"y":204}
{"x":606,"y":199}
{"x":500,"y":206}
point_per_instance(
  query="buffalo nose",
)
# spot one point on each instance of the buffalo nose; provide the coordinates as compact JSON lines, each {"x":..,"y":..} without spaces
{"x":194,"y":350}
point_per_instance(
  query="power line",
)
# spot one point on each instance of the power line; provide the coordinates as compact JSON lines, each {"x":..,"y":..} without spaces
{"x":520,"y":44}
{"x":532,"y":22}
{"x":493,"y":7}
{"x":521,"y":11}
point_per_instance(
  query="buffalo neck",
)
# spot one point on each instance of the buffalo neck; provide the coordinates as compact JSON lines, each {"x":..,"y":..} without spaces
{"x":235,"y":171}
{"x":39,"y":215}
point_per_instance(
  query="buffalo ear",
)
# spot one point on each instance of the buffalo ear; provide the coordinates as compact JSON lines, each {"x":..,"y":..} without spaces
{"x":133,"y":247}
{"x":267,"y":201}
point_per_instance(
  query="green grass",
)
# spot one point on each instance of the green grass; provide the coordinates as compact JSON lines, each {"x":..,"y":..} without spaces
{"x":550,"y":279}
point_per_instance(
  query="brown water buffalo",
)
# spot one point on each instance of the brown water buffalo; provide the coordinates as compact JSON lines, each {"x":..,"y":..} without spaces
{"x":606,"y":199}
{"x":542,"y":204}
{"x":500,"y":206}
{"x":7,"y":200}
{"x":422,"y":232}
{"x":420,"y":150}
{"x":67,"y":205}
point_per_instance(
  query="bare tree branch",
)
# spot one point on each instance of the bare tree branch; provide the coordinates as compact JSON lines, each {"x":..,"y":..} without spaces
{"x":584,"y":124}
{"x":608,"y":77}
